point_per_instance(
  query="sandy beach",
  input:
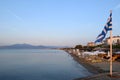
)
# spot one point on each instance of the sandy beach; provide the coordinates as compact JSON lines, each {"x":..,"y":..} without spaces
{"x":100,"y":70}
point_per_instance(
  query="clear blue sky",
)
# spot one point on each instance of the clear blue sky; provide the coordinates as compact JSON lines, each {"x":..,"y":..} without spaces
{"x":55,"y":22}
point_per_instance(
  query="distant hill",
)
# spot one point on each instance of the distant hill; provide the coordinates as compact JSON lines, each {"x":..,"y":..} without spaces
{"x":28,"y":46}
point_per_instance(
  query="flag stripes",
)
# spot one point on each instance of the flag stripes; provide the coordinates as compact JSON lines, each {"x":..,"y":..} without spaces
{"x":107,"y":28}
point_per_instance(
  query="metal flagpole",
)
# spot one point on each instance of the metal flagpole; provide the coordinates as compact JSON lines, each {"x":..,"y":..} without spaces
{"x":111,"y":50}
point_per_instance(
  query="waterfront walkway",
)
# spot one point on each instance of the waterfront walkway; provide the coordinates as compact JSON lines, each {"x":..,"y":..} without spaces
{"x":102,"y":76}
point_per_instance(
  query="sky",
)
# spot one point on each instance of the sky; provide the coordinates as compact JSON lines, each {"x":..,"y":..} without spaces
{"x":56,"y":22}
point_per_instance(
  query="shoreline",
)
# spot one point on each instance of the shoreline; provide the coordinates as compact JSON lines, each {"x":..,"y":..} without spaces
{"x":99,"y":73}
{"x":87,"y":65}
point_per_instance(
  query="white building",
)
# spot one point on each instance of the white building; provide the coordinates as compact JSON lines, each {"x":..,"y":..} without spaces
{"x":115,"y":39}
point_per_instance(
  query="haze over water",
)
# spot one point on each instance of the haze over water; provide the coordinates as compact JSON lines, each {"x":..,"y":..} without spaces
{"x":36,"y":64}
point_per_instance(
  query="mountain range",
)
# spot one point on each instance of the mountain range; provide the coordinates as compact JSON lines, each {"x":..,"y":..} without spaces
{"x":29,"y":46}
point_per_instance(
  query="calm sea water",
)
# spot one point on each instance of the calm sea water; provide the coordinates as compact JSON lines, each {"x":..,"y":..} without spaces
{"x":39,"y":64}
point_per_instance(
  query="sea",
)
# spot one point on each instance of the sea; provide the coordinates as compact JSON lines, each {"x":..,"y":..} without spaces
{"x":39,"y":64}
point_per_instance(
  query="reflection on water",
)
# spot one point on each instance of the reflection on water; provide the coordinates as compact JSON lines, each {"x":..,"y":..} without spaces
{"x":36,"y":64}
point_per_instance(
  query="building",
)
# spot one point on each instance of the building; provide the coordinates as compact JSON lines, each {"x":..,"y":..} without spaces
{"x":115,"y":39}
{"x":90,"y":44}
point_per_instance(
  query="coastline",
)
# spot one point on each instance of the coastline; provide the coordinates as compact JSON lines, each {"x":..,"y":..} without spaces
{"x":87,"y":65}
{"x":100,"y":70}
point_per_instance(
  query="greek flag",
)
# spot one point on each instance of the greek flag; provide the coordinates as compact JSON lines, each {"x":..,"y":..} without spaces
{"x":107,"y":27}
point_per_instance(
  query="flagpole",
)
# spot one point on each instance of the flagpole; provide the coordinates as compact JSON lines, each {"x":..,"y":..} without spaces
{"x":111,"y":50}
{"x":101,"y":36}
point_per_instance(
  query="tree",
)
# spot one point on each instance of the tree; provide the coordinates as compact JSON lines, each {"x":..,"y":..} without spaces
{"x":78,"y":46}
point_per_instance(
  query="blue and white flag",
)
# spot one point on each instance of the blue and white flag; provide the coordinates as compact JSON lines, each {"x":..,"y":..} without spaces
{"x":107,"y":27}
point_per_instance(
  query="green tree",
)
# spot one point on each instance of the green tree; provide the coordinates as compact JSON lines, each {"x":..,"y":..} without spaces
{"x":78,"y":46}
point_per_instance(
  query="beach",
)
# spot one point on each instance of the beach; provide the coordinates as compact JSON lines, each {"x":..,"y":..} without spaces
{"x":100,"y":70}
